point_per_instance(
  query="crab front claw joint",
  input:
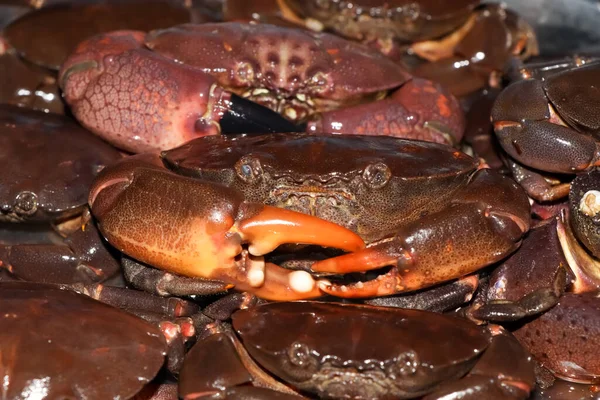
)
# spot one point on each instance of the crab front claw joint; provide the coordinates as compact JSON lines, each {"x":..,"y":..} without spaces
{"x":483,"y":224}
{"x":197,"y":228}
{"x":139,"y":101}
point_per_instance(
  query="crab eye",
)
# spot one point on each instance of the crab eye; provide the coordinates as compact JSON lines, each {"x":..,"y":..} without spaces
{"x":300,"y":356}
{"x":26,"y":203}
{"x":248,"y":169}
{"x":405,"y":365}
{"x":377,"y":175}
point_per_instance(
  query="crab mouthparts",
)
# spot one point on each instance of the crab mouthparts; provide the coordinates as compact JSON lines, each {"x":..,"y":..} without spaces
{"x":296,"y":108}
{"x":317,"y":201}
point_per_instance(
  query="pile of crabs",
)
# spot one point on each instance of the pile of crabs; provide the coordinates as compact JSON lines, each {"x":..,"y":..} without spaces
{"x":295,"y":199}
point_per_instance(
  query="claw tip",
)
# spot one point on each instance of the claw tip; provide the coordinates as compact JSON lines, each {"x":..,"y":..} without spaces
{"x":256,"y":278}
{"x":301,"y":281}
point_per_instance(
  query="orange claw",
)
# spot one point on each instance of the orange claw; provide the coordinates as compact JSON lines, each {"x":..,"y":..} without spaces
{"x":366,"y":260}
{"x":197,"y":228}
{"x":276,"y":226}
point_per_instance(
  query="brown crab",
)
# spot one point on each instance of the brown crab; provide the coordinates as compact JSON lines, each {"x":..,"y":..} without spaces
{"x":185,"y":81}
{"x":57,"y":344}
{"x":336,"y":351}
{"x":547,"y":124}
{"x":48,"y":163}
{"x":423,"y":208}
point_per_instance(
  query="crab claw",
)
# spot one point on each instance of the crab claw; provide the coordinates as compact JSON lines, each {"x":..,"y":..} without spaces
{"x":197,"y":228}
{"x":420,"y":109}
{"x":484,"y":223}
{"x":140,"y":101}
{"x":531,"y":131}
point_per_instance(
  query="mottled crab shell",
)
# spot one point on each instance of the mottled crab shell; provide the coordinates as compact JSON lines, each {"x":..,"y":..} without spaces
{"x":369,"y":184}
{"x":360,"y":351}
{"x":289,"y":60}
{"x":48,"y":163}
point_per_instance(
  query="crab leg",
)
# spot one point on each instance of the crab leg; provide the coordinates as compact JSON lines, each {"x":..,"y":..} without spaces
{"x":484,"y":224}
{"x":140,"y":101}
{"x":197,"y":228}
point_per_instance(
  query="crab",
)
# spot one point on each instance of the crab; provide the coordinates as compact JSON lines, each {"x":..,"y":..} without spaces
{"x":425,"y":209}
{"x":48,"y":164}
{"x":527,"y":283}
{"x":357,"y":352}
{"x":464,"y":45}
{"x":83,"y":339}
{"x":546,"y":124}
{"x":317,"y":81}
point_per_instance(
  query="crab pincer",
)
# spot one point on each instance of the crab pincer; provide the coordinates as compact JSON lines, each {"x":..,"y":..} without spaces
{"x":199,"y":227}
{"x":139,"y":101}
{"x":484,"y":223}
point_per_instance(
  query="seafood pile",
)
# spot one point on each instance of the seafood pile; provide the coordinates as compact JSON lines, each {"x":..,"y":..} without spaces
{"x":283,"y":199}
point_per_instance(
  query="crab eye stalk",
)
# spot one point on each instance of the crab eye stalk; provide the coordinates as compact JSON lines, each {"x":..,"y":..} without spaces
{"x":404,"y":366}
{"x":377,"y":175}
{"x":301,"y":363}
{"x":248,"y":169}
{"x":300,"y":355}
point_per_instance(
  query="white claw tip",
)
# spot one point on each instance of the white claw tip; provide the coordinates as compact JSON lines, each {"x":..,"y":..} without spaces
{"x":256,"y":271}
{"x":256,"y":278}
{"x":590,"y":203}
{"x":301,"y":281}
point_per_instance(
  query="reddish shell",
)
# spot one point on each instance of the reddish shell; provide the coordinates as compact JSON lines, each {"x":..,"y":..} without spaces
{"x":352,"y":351}
{"x":284,"y":59}
{"x":58,"y":344}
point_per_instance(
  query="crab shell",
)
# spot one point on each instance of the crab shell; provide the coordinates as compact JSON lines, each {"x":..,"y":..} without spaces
{"x":319,"y":70}
{"x":48,"y":163}
{"x":366,"y":352}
